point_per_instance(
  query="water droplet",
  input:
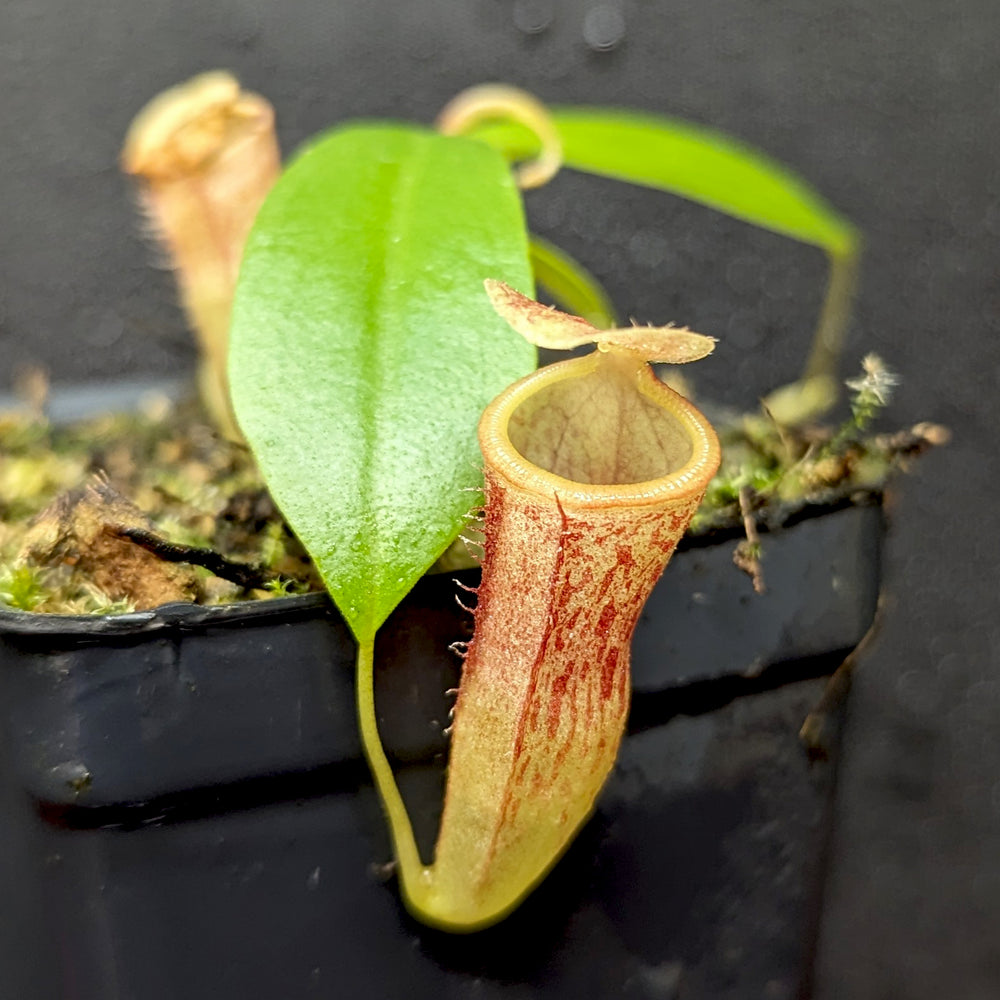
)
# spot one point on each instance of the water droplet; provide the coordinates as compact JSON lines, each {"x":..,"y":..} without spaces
{"x":533,"y":16}
{"x":604,"y":27}
{"x":744,"y":329}
{"x":743,"y":275}
{"x":649,"y":248}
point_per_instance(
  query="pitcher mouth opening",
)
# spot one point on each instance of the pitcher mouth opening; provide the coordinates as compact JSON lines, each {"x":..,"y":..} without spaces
{"x":599,"y":431}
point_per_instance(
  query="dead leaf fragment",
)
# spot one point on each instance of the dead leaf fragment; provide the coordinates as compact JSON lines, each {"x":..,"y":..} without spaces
{"x":82,"y":530}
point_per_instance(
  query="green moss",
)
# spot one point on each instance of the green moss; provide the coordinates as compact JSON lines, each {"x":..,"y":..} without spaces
{"x":197,"y":488}
{"x":21,"y":587}
{"x":201,"y":490}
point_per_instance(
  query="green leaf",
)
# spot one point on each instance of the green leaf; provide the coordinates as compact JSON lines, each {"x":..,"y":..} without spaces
{"x":689,"y":160}
{"x":364,"y":348}
{"x":716,"y":170}
{"x":572,"y":286}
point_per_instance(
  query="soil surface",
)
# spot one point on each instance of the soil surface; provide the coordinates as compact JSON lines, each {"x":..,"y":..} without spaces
{"x":888,"y":108}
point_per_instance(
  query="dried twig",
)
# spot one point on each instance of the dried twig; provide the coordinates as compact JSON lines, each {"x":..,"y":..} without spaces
{"x":818,"y":732}
{"x":747,"y":553}
{"x":242,"y":574}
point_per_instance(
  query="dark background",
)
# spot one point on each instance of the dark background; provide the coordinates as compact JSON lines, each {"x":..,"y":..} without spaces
{"x":888,"y":108}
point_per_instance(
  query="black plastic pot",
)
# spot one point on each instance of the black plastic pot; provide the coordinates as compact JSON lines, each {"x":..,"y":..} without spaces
{"x":185,"y":811}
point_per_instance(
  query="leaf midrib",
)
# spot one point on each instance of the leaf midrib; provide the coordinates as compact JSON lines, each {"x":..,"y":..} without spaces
{"x":397,"y":208}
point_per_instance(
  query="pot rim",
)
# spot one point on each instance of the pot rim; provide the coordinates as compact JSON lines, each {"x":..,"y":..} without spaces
{"x":180,"y":616}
